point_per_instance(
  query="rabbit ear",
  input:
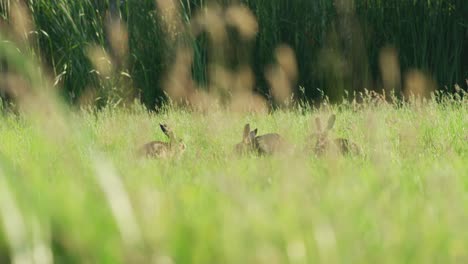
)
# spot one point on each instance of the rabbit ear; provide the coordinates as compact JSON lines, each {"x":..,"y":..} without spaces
{"x":182,"y":146}
{"x":318,"y":124}
{"x":331,"y":121}
{"x":163,"y":128}
{"x":246,"y":131}
{"x":166,"y":130}
{"x":253,"y":134}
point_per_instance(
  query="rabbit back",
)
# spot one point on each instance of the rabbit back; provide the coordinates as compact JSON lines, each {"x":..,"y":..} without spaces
{"x":269,"y":143}
{"x":156,"y":149}
{"x":347,"y":147}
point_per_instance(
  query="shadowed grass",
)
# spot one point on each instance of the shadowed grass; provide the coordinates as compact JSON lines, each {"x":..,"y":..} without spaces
{"x":337,"y":50}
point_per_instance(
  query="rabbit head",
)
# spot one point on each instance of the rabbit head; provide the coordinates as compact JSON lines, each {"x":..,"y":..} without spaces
{"x":248,"y":140}
{"x":175,"y":144}
{"x":338,"y":145}
{"x":322,"y":134}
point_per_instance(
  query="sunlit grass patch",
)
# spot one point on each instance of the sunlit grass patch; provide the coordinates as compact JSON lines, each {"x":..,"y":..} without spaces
{"x":401,"y":200}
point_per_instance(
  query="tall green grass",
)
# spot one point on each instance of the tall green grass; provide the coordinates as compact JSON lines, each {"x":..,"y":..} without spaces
{"x":335,"y":47}
{"x":86,"y":196}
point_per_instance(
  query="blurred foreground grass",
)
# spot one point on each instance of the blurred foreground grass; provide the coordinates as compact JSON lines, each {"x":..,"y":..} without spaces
{"x":77,"y":193}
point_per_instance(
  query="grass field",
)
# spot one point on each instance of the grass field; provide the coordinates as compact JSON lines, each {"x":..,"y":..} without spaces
{"x":76,"y":192}
{"x":81,"y":91}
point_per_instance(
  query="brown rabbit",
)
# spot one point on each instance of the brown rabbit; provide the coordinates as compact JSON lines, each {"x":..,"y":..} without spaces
{"x":324,"y":144}
{"x":263,"y":145}
{"x":159,"y":149}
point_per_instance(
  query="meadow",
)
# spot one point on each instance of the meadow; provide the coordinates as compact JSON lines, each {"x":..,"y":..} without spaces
{"x":84,"y":84}
{"x":77,"y":192}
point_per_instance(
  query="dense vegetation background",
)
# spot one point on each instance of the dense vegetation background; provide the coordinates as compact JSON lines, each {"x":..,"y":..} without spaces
{"x":337,"y":43}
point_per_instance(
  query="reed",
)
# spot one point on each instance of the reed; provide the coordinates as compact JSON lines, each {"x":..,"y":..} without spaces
{"x":337,"y":43}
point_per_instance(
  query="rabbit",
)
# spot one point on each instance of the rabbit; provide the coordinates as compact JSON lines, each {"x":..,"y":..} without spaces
{"x":324,"y":144}
{"x":263,"y":145}
{"x":159,"y":149}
